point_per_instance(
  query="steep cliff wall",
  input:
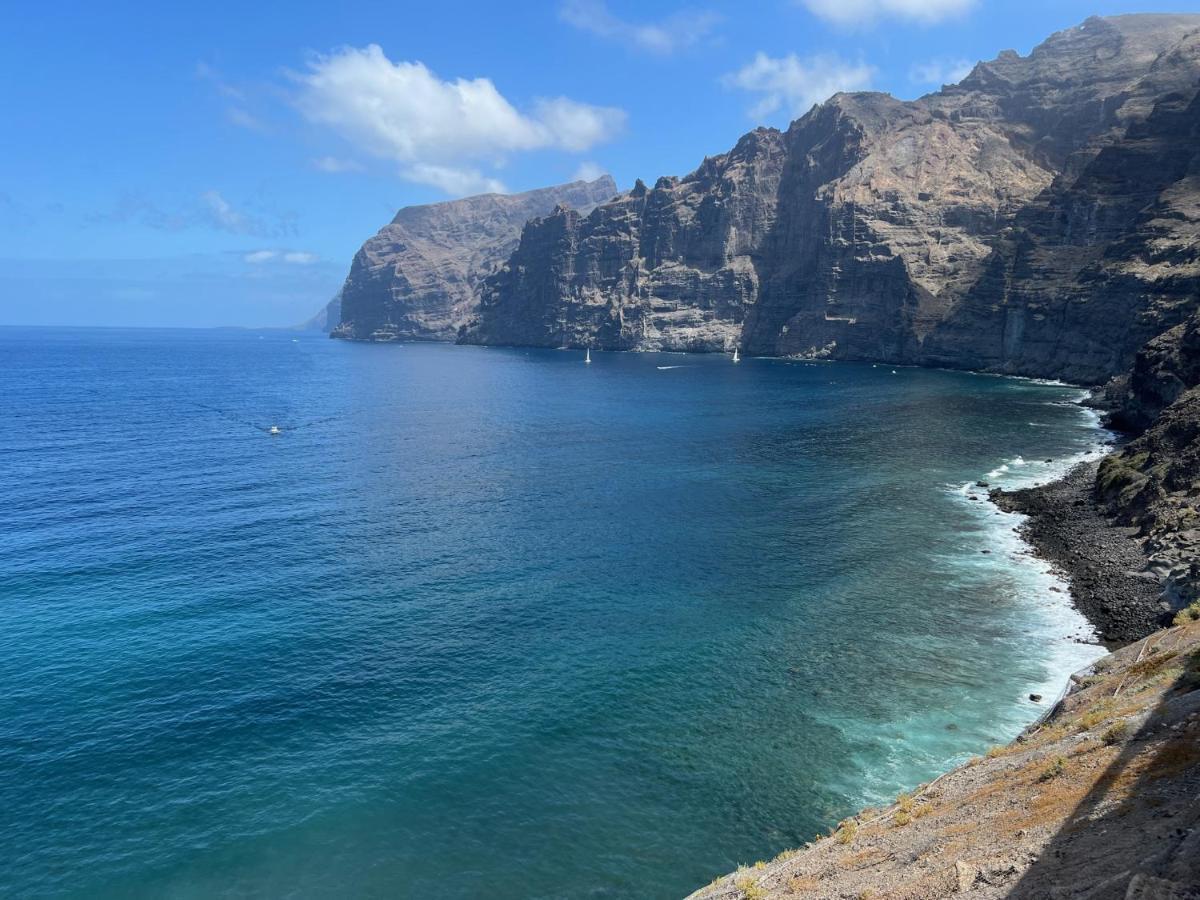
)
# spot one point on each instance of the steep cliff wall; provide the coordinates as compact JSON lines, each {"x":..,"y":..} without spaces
{"x":1038,"y":218}
{"x":665,"y":268}
{"x":418,"y":277}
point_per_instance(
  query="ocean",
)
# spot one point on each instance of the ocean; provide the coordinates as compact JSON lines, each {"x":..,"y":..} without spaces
{"x":492,"y":622}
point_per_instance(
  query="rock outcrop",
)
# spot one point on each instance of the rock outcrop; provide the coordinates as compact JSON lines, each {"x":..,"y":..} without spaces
{"x":1096,"y":801}
{"x":1038,"y":218}
{"x":418,"y":277}
{"x":1153,"y":482}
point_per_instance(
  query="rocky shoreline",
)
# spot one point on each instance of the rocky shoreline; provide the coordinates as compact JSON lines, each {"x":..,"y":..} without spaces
{"x":1105,"y":562}
{"x":1097,"y":800}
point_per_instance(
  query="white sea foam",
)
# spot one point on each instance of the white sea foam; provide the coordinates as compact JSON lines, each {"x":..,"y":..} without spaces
{"x":1042,"y":590}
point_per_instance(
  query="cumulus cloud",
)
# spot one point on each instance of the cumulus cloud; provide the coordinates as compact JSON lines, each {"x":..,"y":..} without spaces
{"x":796,"y":85}
{"x":683,"y":29}
{"x":439,"y":132}
{"x":937,"y":72}
{"x":868,"y":12}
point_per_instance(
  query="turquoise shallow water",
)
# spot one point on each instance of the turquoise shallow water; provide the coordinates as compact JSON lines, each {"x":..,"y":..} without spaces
{"x":492,"y":623}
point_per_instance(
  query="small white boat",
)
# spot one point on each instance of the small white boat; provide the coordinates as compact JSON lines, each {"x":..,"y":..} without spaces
{"x":736,"y":358}
{"x":588,"y":358}
{"x":274,"y":429}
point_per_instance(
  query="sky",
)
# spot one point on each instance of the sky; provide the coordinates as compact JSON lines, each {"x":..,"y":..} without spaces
{"x":219,"y":164}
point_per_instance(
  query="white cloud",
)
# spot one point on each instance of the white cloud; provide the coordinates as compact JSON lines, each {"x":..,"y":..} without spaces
{"x":794,"y":84}
{"x":458,"y":181}
{"x":292,"y":257}
{"x":209,"y":210}
{"x":589,"y":171}
{"x":222,"y":213}
{"x":868,"y":12}
{"x":683,"y":29}
{"x":333,"y":164}
{"x":940,"y":71}
{"x":243,"y":119}
{"x":439,"y":132}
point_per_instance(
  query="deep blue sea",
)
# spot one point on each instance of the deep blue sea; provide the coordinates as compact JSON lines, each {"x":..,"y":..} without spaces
{"x":493,"y":623}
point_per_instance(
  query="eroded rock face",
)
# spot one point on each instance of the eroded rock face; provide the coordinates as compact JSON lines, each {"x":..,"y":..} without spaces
{"x":418,"y":278}
{"x":1153,"y":482}
{"x":668,"y":268}
{"x":1038,"y":218}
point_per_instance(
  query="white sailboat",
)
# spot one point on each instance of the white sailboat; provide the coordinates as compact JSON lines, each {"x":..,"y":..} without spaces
{"x":736,"y":358}
{"x":588,"y":358}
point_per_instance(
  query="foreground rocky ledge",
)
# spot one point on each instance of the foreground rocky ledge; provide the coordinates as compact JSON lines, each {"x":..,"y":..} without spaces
{"x":1100,"y":800}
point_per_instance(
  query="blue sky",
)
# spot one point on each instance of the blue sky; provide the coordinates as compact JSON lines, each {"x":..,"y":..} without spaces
{"x":219,"y":163}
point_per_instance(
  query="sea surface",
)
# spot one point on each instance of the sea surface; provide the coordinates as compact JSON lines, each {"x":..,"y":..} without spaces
{"x":494,"y":623}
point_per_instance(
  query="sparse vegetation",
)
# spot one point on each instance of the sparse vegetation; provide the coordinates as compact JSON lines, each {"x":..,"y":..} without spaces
{"x":750,"y":888}
{"x":1115,"y":733}
{"x":1054,"y":770}
{"x":1189,"y":614}
{"x":1099,"y":712}
{"x":846,"y":832}
{"x":1151,"y":664}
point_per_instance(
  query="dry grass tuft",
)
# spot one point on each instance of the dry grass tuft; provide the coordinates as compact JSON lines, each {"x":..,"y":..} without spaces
{"x":1056,"y":768}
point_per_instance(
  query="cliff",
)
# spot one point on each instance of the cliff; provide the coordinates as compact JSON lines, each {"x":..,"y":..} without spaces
{"x":1153,"y":482}
{"x":328,"y":318}
{"x":418,"y":277}
{"x":1038,"y":218}
{"x":1097,"y":801}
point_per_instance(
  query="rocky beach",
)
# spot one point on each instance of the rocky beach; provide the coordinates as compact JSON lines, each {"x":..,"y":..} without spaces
{"x":1104,"y":562}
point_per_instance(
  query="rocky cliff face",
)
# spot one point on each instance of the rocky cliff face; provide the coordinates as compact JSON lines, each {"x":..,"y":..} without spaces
{"x":665,"y":268}
{"x":1153,"y":482}
{"x":328,"y":318}
{"x":1038,"y":218}
{"x":418,"y":278}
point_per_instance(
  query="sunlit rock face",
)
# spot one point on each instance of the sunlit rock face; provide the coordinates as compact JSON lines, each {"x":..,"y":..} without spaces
{"x":1037,"y":218}
{"x":418,"y":277}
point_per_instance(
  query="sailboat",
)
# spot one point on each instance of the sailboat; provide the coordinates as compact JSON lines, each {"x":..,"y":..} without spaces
{"x":588,"y":358}
{"x":736,"y":358}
